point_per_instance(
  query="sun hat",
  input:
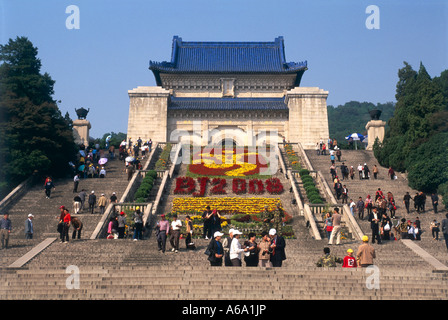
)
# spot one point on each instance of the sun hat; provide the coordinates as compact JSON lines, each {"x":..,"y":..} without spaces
{"x":237,"y":232}
{"x":272,"y":232}
{"x":350,"y":251}
{"x":365,"y":238}
{"x":30,"y":215}
{"x":218,"y":234}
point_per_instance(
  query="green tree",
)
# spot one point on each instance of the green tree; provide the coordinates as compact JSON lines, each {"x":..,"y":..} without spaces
{"x":33,"y":133}
{"x":418,"y":99}
{"x":427,"y":164}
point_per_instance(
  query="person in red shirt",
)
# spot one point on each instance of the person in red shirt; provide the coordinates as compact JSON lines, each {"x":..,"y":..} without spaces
{"x":66,"y":226}
{"x":349,"y":260}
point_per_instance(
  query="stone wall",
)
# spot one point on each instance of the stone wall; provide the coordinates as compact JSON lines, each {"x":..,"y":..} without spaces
{"x":305,"y":122}
{"x":148,"y":113}
{"x":308,"y":119}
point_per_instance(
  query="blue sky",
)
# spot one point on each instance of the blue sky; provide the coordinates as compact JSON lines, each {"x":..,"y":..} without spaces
{"x":96,"y":65}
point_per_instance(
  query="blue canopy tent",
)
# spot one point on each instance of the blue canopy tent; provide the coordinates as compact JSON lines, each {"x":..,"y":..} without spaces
{"x":355,"y":137}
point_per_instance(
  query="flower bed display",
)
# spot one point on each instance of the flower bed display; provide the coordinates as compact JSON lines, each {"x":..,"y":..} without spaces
{"x":244,"y":222}
{"x":293,"y":158}
{"x":225,"y":205}
{"x":236,"y":162}
{"x":187,"y":185}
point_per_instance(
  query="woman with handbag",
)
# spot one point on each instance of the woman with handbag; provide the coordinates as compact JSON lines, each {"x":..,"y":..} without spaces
{"x":386,"y":226}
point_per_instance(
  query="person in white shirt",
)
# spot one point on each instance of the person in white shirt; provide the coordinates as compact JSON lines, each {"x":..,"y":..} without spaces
{"x":102,"y":173}
{"x":360,"y":171}
{"x":236,"y":250}
{"x":352,"y":207}
{"x":75,"y":183}
{"x":176,"y":225}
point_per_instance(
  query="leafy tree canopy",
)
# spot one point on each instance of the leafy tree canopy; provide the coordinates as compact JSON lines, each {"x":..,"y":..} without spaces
{"x":33,"y":133}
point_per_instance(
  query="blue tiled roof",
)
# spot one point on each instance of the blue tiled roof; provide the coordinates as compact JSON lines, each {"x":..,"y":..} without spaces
{"x":227,"y":104}
{"x":227,"y":57}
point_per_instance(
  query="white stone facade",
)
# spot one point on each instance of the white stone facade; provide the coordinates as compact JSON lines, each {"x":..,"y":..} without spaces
{"x":306,"y":121}
{"x":292,"y":113}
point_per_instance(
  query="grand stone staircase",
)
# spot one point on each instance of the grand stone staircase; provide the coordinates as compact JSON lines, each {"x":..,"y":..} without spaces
{"x":124,"y":269}
{"x":361,"y":188}
{"x":46,"y":211}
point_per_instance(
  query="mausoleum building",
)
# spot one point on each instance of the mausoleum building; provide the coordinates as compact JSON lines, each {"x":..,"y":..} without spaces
{"x":244,"y":91}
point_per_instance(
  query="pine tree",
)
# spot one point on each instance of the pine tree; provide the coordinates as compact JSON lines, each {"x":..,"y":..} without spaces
{"x":33,"y":133}
{"x":418,"y":99}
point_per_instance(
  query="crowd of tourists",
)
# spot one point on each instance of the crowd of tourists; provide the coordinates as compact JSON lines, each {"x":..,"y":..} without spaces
{"x":268,"y":252}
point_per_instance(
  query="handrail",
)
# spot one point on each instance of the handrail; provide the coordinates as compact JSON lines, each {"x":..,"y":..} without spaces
{"x":176,"y":157}
{"x":160,"y":193}
{"x":303,"y":210}
{"x":346,"y":215}
{"x":17,"y":192}
{"x":102,"y":224}
{"x":280,"y":157}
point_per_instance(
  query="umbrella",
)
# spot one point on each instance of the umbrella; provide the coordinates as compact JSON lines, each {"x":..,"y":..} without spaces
{"x":102,"y":161}
{"x":129,"y":159}
{"x":355,"y":136}
{"x":82,"y":153}
{"x":108,"y":138}
{"x":81,"y":167}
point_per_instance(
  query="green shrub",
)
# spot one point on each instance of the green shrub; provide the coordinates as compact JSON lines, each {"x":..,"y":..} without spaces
{"x":307,"y":178}
{"x":316,"y":201}
{"x":311,"y":188}
{"x":304,"y":172}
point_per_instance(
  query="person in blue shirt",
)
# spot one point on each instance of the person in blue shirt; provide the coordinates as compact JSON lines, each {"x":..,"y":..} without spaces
{"x":216,"y":250}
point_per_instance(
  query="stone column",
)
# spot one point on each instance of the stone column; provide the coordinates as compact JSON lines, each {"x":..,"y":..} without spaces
{"x":148,"y":116}
{"x":81,"y":129}
{"x":375,"y":129}
{"x":308,"y":119}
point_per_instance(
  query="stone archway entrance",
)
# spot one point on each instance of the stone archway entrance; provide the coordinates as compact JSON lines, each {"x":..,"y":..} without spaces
{"x":228,"y":143}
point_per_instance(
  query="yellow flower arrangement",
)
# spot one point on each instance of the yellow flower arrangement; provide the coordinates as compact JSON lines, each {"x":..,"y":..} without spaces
{"x":224,"y":205}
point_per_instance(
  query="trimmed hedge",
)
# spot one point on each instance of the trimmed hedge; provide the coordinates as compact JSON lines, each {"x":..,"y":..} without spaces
{"x":312,"y":192}
{"x":142,"y":193}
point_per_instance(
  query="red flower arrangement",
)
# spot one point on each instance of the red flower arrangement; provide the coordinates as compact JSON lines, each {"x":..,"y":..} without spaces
{"x":256,"y":186}
{"x":219,"y":186}
{"x":187,"y":185}
{"x":239,"y":186}
{"x":203,"y":184}
{"x":274,"y":186}
{"x":184,"y":185}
